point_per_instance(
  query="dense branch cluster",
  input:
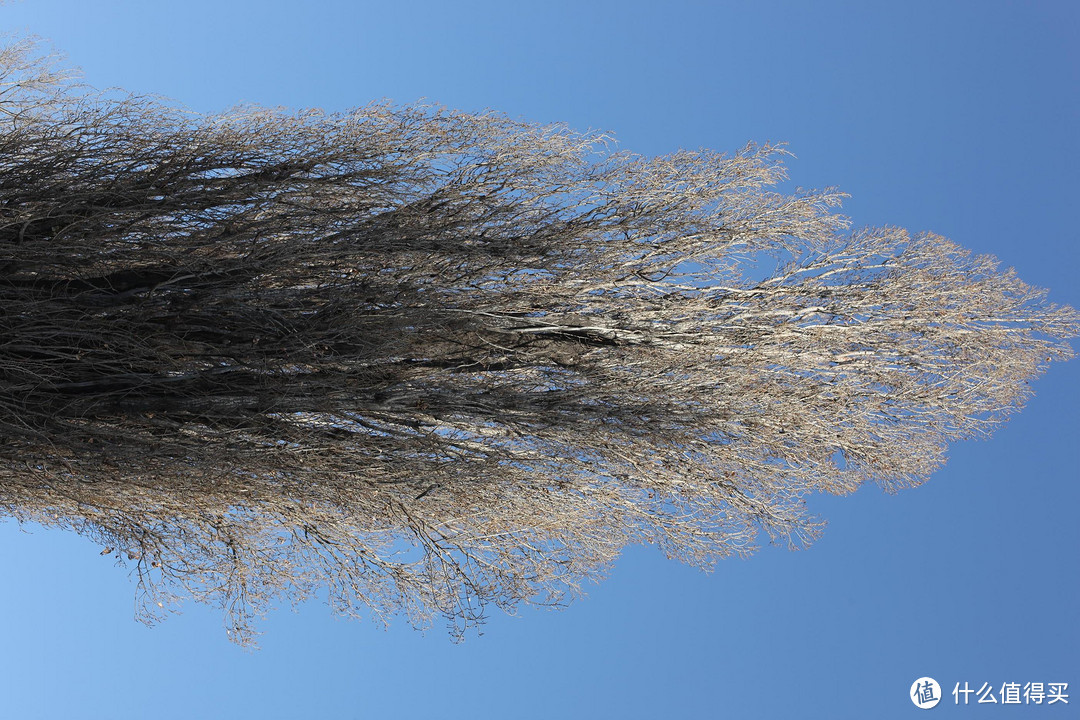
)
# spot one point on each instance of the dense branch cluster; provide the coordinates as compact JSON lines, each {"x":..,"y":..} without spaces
{"x":436,"y":361}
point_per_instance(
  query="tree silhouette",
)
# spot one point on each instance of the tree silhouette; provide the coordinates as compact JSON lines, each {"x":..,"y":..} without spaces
{"x":436,"y":361}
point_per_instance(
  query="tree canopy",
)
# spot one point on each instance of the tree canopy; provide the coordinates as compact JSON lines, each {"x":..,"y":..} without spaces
{"x":431,"y":361}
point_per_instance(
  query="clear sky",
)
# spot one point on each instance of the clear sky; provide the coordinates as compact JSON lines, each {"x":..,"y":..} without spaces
{"x":955,"y":117}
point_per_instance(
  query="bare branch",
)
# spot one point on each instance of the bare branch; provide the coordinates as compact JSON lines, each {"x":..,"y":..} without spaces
{"x":437,"y":361}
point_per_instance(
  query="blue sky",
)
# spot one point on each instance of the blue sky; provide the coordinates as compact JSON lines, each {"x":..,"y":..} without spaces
{"x":955,"y":117}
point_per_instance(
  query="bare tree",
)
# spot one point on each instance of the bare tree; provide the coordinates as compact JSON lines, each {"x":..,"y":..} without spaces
{"x":437,"y":361}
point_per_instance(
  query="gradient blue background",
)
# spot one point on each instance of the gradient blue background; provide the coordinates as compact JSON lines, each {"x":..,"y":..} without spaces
{"x":956,"y":117}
